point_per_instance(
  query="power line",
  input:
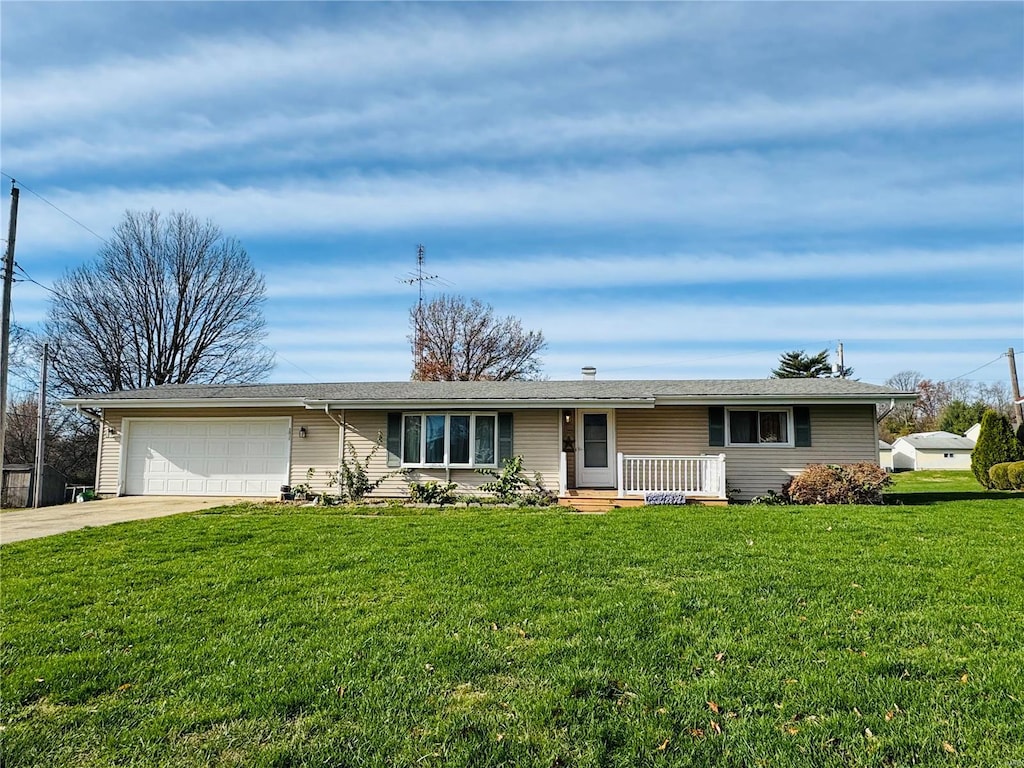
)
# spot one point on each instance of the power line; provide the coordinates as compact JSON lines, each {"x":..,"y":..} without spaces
{"x":56,"y":208}
{"x":27,"y":278}
{"x":986,"y":365}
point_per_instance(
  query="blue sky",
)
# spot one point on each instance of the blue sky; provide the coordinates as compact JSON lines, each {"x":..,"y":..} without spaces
{"x":667,"y":191}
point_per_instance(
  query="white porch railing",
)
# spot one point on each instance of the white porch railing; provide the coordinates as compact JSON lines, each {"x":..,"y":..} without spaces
{"x":563,"y":474}
{"x":694,"y":475}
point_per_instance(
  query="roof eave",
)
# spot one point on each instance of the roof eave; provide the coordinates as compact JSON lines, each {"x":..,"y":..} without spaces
{"x":204,"y":402}
{"x":481,"y":403}
{"x":784,"y":399}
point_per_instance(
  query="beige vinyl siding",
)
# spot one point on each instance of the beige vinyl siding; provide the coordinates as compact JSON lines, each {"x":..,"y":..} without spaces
{"x":534,"y":436}
{"x":936,"y":459}
{"x":319,"y":449}
{"x":840,"y":434}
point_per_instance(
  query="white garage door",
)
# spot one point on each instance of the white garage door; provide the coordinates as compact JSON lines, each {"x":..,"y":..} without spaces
{"x":207,"y":457}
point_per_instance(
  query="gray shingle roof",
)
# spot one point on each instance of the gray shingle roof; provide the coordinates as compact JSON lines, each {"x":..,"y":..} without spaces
{"x":396,"y":391}
{"x":938,"y":441}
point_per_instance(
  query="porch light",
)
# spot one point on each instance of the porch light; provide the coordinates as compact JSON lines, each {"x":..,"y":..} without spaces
{"x":567,"y":415}
{"x":302,"y":432}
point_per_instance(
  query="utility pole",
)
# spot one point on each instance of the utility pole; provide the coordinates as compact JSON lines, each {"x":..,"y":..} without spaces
{"x":37,"y":476}
{"x":842,"y":367}
{"x":1018,"y":410}
{"x":5,"y":327}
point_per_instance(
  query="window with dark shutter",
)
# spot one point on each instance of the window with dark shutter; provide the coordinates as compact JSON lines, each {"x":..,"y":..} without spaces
{"x":394,"y":440}
{"x":802,"y":426}
{"x":504,"y":437}
{"x":716,"y":425}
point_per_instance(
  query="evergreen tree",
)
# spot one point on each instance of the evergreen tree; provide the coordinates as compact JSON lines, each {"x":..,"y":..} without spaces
{"x":799,"y":365}
{"x":958,"y":416}
{"x":996,"y":444}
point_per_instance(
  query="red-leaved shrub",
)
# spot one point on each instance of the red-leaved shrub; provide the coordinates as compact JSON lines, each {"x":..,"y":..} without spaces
{"x":838,"y":484}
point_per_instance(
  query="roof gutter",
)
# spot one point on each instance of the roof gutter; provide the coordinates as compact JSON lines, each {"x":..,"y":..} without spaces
{"x":204,"y":402}
{"x":481,"y":404}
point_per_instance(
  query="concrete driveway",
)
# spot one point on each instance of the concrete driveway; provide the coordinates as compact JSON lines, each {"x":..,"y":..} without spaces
{"x":47,"y":521}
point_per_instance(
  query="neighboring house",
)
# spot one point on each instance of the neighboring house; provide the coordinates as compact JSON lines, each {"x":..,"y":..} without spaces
{"x":972,"y":433}
{"x":932,"y":450}
{"x":885,"y":455}
{"x":626,"y":437}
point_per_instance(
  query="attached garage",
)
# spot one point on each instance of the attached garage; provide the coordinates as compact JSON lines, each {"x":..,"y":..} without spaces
{"x":206,"y":457}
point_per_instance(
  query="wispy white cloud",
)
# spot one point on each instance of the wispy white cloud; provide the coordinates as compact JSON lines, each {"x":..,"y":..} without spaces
{"x":461,"y":124}
{"x":552,"y":272}
{"x":311,"y":61}
{"x":735,"y":191}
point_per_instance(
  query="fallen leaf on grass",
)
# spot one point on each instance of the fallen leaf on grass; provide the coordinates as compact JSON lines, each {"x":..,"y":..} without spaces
{"x":501,"y":736}
{"x":341,"y":691}
{"x":949,"y":747}
{"x":715,"y":726}
{"x":719,"y":656}
{"x":868,"y":733}
{"x":713,"y":707}
{"x":889,"y":716}
{"x":697,"y":733}
{"x":663,"y":746}
{"x":963,"y":678}
{"x":124,"y":687}
{"x":792,"y":731}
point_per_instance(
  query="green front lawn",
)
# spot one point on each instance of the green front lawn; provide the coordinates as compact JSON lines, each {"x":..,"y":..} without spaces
{"x":737,"y":636}
{"x":936,"y":481}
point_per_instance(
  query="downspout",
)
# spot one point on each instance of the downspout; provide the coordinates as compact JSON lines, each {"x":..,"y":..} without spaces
{"x":99,"y":442}
{"x":341,"y":439}
{"x":890,"y":409}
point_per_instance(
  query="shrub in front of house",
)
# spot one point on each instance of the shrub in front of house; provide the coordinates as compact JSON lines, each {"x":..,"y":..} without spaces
{"x":996,"y":444}
{"x":1014,"y":475}
{"x":862,"y":483}
{"x":998,"y":476}
{"x":433,"y":492}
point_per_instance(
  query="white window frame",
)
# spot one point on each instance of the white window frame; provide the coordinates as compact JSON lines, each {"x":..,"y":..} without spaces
{"x":790,"y":431}
{"x":447,"y":463}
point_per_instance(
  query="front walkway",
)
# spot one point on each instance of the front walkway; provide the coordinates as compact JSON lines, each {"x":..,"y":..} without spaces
{"x":47,"y":521}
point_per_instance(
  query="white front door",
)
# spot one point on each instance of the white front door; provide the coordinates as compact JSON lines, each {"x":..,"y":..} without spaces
{"x":595,"y":449}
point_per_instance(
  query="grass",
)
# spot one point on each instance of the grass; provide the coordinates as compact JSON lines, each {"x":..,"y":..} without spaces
{"x":739,"y":636}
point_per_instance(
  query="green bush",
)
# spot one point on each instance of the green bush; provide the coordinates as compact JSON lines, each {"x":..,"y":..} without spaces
{"x":997,"y":475}
{"x":861,"y":483}
{"x":512,"y":486}
{"x":996,"y":444}
{"x":1015,"y":475}
{"x":433,"y":492}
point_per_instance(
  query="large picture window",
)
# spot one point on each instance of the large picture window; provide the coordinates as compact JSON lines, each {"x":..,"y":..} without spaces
{"x":449,"y":439}
{"x":760,"y":427}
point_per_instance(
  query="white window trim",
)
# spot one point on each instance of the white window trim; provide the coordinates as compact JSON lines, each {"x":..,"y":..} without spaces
{"x":447,"y":464}
{"x":790,"y":431}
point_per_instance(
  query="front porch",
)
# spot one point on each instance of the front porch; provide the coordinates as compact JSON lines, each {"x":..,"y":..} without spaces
{"x":700,"y":479}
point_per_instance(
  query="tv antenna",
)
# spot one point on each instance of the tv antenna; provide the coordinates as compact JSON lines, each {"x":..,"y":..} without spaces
{"x":419,"y":277}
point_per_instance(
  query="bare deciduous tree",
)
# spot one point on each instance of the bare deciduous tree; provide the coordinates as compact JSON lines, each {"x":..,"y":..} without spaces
{"x":70,"y":439}
{"x":168,"y":300}
{"x":456,"y":340}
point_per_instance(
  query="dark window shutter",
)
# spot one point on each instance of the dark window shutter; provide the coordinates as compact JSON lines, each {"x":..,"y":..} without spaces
{"x":394,"y":439}
{"x":802,"y":426}
{"x":504,"y":437}
{"x":716,"y":425}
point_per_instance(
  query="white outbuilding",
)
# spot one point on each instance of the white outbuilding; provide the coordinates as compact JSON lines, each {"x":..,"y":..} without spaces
{"x":932,"y":450}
